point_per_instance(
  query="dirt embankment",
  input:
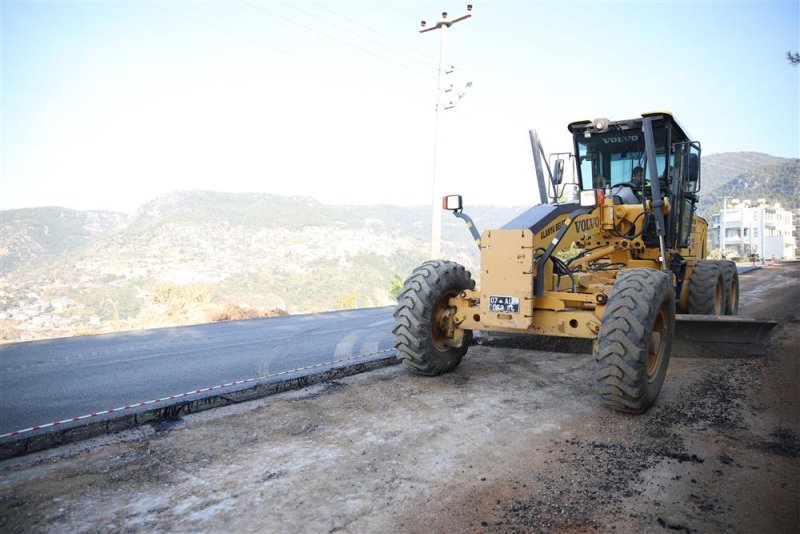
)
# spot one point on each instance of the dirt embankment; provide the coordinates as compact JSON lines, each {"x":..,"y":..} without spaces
{"x":512,"y":441}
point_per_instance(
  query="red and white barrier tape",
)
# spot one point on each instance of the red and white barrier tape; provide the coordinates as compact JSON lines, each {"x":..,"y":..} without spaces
{"x":186,"y":394}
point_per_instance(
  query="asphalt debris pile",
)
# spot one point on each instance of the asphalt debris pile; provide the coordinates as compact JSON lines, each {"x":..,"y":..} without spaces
{"x":718,"y":400}
{"x":563,"y":499}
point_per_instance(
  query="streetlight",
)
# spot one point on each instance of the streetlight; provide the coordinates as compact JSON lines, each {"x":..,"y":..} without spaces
{"x":722,"y":229}
{"x":436,"y":209}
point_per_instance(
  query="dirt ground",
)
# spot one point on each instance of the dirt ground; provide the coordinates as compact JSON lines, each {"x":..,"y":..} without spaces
{"x":512,"y":441}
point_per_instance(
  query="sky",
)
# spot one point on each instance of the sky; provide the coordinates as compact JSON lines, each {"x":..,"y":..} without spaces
{"x":108,"y":105}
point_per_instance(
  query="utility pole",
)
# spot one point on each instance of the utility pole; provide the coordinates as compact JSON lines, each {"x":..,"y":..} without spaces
{"x":722,"y":229}
{"x":752,"y":216}
{"x":436,"y":209}
{"x":762,"y":230}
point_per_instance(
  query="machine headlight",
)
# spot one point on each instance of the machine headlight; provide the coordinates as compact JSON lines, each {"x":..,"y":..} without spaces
{"x":590,"y":198}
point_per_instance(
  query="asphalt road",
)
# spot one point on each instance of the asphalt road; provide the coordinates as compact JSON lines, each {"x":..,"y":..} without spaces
{"x":51,"y":380}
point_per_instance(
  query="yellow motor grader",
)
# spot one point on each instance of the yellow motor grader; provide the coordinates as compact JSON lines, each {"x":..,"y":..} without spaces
{"x":640,"y":259}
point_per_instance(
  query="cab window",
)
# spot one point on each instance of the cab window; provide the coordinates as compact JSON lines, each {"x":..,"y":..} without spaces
{"x":608,"y":159}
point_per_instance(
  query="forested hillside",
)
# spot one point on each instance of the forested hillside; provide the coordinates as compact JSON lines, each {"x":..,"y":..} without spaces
{"x":195,"y":255}
{"x":749,"y":175}
{"x":32,"y":234}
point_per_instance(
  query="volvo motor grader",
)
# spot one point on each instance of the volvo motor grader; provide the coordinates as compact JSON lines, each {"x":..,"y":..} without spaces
{"x":641,"y":259}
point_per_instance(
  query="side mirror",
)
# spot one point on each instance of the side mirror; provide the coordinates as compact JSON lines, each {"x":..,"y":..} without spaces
{"x":558,"y":172}
{"x":452,"y":203}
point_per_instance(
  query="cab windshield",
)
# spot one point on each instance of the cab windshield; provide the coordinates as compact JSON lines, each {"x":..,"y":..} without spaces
{"x":610,"y":158}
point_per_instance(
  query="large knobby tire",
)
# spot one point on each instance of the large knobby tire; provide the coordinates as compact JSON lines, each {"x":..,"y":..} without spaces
{"x":422,"y":307}
{"x":635,"y":342}
{"x":731,"y":276}
{"x":707,"y":289}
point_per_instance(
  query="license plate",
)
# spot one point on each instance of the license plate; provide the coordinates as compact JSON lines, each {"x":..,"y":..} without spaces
{"x":503,"y":304}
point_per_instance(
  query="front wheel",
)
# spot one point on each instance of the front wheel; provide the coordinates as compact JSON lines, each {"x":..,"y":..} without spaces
{"x":633,"y":347}
{"x":424,"y":333}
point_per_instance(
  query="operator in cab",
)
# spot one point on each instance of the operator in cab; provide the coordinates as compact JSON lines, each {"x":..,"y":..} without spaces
{"x":638,"y":176}
{"x":630,"y":192}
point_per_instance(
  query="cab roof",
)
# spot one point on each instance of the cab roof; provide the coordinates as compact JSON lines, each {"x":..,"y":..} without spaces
{"x":603,"y":125}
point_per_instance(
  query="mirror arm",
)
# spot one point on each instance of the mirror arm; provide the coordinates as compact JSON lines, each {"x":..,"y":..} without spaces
{"x":471,"y":225}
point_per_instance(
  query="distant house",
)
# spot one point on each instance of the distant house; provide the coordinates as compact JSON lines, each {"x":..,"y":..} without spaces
{"x":746,"y":227}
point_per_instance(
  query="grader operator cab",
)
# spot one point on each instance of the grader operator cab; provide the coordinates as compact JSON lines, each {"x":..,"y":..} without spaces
{"x":641,"y":259}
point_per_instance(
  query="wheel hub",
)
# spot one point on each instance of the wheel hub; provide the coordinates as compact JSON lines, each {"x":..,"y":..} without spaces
{"x":443,"y":328}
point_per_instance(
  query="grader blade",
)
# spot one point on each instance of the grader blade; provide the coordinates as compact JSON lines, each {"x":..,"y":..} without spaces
{"x":715,"y":336}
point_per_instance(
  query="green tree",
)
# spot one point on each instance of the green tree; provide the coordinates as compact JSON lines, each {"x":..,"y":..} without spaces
{"x":348,"y":302}
{"x":395,"y":285}
{"x":176,"y":297}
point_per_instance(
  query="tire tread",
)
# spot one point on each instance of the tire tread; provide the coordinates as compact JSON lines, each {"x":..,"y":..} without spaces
{"x":621,"y":348}
{"x":702,"y":287}
{"x":414,"y":313}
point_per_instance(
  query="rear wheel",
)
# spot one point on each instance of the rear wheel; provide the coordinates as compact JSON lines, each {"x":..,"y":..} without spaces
{"x":635,"y":342}
{"x":731,"y":277}
{"x":707,"y":289}
{"x":424,"y":332}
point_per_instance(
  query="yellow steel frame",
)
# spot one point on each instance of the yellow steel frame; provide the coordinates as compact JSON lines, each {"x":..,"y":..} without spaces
{"x":508,"y":269}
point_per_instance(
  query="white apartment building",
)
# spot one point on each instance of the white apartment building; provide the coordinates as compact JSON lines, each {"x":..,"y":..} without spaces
{"x":754,"y":228}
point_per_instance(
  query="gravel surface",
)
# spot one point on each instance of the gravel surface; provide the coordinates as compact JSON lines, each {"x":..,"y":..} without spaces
{"x":514,"y":440}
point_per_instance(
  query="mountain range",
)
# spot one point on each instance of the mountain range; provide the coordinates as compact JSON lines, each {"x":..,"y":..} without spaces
{"x":748,"y":175}
{"x":192,"y":256}
{"x":195,"y":256}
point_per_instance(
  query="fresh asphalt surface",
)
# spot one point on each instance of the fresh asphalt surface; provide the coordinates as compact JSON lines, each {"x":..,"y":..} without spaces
{"x":51,"y":380}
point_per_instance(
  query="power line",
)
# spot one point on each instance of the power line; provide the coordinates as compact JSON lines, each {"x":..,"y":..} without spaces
{"x":373,"y":30}
{"x":336,"y":39}
{"x":360,"y":36}
{"x":234,"y":34}
{"x":251,"y":40}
